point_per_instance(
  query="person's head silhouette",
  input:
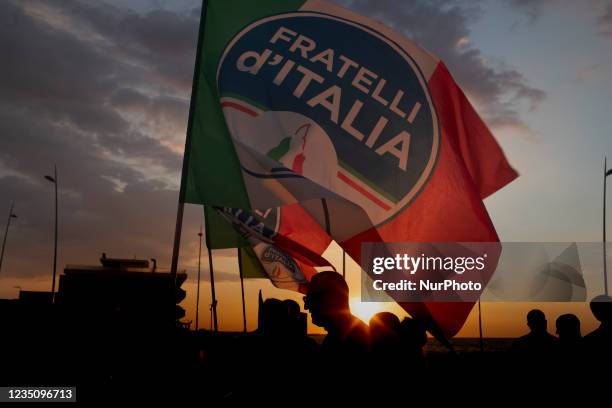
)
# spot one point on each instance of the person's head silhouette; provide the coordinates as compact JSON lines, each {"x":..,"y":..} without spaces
{"x":384,"y":326}
{"x":568,"y":327}
{"x":413,"y":333}
{"x":293,"y":308}
{"x":273,"y":317}
{"x":296,"y":321}
{"x":601,"y":307}
{"x":536,"y":320}
{"x":327,"y":299}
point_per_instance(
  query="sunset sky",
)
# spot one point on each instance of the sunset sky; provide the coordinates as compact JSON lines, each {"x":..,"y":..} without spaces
{"x":101,"y":88}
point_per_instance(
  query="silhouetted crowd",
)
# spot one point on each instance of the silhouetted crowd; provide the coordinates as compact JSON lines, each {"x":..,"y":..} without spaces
{"x":567,"y":350}
{"x":280,"y":358}
{"x":116,"y":359}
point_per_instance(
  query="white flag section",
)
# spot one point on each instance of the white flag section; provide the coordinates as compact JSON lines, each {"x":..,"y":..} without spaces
{"x":287,"y":264}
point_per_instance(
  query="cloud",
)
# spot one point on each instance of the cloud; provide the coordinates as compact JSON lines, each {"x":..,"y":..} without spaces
{"x":532,"y":9}
{"x":595,"y":72}
{"x":605,"y":19}
{"x":102,"y":90}
{"x":500,"y":92}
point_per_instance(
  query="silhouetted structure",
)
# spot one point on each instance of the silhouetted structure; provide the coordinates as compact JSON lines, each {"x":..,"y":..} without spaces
{"x":112,"y":327}
{"x":33,"y":297}
{"x":126,"y":290}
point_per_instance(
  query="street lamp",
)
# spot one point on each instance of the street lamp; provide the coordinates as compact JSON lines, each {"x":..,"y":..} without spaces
{"x":8,"y":222}
{"x":54,"y":181}
{"x":607,"y":172}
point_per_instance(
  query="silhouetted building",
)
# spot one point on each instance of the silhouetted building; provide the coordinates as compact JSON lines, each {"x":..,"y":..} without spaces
{"x":38,"y":298}
{"x":124,"y":291}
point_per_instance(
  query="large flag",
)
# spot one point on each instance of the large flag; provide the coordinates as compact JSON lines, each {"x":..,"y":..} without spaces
{"x":306,"y":102}
{"x":284,"y":243}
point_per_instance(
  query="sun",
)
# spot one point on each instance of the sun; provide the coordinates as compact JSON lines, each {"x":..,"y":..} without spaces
{"x":365,"y":310}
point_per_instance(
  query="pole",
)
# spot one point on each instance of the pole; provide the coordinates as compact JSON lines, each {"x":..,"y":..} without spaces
{"x":8,"y":222}
{"x":177,"y":238}
{"x":326,"y":216}
{"x":605,"y":266}
{"x":55,"y":244}
{"x":194,"y":92}
{"x":244,"y":322}
{"x":212,"y":290}
{"x":197,"y":324}
{"x":480,"y":327}
{"x":211,"y":317}
{"x":344,"y":264}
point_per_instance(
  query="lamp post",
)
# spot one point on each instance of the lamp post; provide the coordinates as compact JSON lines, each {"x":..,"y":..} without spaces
{"x":54,"y":181}
{"x":607,"y":172}
{"x":8,"y":222}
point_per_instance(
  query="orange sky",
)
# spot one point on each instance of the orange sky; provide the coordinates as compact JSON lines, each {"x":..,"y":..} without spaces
{"x":500,"y":319}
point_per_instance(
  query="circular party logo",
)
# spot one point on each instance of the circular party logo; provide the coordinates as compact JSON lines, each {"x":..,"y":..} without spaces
{"x":338,"y":103}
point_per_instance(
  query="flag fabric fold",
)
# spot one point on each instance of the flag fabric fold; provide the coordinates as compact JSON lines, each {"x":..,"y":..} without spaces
{"x":342,"y":129}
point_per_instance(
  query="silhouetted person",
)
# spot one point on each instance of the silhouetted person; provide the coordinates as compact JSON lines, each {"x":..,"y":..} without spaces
{"x":384,"y":339}
{"x":384,"y":327}
{"x":296,"y":320}
{"x":568,"y":330}
{"x":344,"y":350}
{"x":599,"y":341}
{"x":413,"y":338}
{"x":538,"y":346}
{"x":274,"y":316}
{"x":277,"y":347}
{"x":295,"y":332}
{"x":293,"y":308}
{"x":571,"y":347}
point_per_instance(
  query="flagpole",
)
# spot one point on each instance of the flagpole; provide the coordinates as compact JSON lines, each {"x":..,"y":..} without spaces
{"x":212,"y":291}
{"x":326,"y":216}
{"x":605,"y":266}
{"x":197,"y":325}
{"x":244,"y":322}
{"x":182,"y":189}
{"x":480,"y":327}
{"x":259,"y":310}
{"x":213,"y":306}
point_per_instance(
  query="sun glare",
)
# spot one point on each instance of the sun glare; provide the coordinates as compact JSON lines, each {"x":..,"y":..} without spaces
{"x":365,"y":310}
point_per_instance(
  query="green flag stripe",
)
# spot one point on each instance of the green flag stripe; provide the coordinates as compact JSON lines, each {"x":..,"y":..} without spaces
{"x":210,"y":157}
{"x":219,"y":233}
{"x":251,"y":267}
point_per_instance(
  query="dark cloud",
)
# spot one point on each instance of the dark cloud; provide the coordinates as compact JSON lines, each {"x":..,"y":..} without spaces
{"x":605,"y":19}
{"x":161,"y":42}
{"x":103,"y":91}
{"x":91,"y":87}
{"x":442,"y":27}
{"x":532,"y":9}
